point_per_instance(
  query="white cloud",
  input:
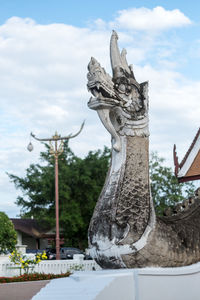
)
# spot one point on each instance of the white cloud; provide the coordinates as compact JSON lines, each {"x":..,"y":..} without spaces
{"x":174,"y":110}
{"x":43,"y":89}
{"x":100,"y":24}
{"x":156,"y":19}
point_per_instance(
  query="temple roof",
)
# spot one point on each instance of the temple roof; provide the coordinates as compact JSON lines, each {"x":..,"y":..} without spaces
{"x":189,"y":168}
{"x":30,"y":227}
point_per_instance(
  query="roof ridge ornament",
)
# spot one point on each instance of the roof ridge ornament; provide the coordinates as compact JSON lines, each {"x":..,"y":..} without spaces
{"x":188,"y":169}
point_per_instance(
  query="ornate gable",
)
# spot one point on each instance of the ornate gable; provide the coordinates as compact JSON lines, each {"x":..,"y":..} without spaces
{"x":189,"y":168}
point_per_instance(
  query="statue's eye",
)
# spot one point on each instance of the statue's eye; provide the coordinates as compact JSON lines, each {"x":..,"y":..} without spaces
{"x":128,"y":89}
{"x":122,"y":88}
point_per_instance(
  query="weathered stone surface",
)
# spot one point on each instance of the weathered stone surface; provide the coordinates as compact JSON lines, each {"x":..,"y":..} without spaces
{"x":124,"y":231}
{"x":134,"y":209}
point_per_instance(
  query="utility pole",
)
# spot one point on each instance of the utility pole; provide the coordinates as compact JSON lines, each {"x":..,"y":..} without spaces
{"x":56,"y":149}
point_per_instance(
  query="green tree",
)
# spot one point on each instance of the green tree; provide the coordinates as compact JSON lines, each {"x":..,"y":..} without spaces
{"x":80,"y":182}
{"x":166,"y":191}
{"x":8,"y":236}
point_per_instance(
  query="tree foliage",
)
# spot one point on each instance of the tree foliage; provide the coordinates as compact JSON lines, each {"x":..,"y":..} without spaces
{"x":166,"y":191}
{"x":8,"y":236}
{"x":80,"y":182}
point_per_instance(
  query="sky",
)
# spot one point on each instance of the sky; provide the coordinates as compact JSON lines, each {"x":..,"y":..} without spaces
{"x":45,"y":47}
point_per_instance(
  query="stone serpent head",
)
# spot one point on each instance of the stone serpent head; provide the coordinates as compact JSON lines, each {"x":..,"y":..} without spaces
{"x":122,"y":103}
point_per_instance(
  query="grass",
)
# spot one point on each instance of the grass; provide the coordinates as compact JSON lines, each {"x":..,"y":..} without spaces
{"x":33,"y":277}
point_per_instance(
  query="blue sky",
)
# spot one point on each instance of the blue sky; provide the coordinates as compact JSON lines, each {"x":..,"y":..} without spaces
{"x":45,"y":47}
{"x":80,"y":12}
{"x":84,"y":13}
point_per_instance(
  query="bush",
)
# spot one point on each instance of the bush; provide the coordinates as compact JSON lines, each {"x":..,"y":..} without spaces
{"x":8,"y":235}
{"x":25,"y":263}
{"x":33,"y":277}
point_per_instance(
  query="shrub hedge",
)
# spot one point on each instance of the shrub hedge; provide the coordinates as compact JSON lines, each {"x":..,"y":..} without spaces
{"x":33,"y":277}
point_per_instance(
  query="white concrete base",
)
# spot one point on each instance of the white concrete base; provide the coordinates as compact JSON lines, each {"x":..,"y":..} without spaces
{"x":126,"y":284}
{"x":90,"y":285}
{"x":21,"y":248}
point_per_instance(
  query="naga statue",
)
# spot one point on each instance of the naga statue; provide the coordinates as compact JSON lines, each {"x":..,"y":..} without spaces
{"x":124,"y":231}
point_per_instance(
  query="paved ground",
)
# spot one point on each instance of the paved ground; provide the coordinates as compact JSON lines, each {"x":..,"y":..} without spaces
{"x":21,"y":290}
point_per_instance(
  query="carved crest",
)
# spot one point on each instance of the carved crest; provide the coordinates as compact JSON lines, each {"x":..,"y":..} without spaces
{"x":122,"y":95}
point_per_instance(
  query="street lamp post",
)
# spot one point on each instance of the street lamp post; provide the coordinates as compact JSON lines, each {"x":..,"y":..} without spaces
{"x":56,"y":150}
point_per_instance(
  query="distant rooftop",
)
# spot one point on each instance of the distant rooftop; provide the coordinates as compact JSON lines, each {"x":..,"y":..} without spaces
{"x":31,"y":227}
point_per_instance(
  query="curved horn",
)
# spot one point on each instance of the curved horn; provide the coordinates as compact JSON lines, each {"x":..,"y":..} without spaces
{"x":124,"y":61}
{"x":115,"y":56}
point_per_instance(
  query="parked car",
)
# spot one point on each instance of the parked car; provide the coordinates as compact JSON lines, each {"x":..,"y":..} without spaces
{"x":87,"y":257}
{"x":51,"y":253}
{"x":65,"y":253}
{"x":68,"y":252}
{"x":34,"y":251}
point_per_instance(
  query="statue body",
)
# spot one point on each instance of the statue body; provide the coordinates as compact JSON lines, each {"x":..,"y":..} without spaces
{"x":124,"y":231}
